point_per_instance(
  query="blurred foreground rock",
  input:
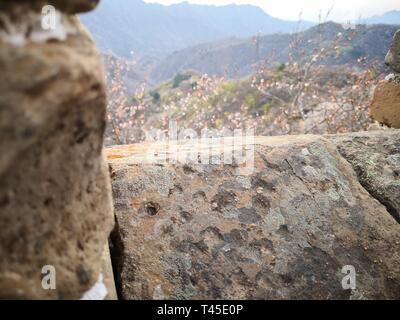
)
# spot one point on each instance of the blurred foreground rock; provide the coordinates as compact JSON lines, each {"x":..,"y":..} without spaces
{"x":66,"y":6}
{"x":108,"y":276}
{"x":282,"y":231}
{"x":55,"y":194}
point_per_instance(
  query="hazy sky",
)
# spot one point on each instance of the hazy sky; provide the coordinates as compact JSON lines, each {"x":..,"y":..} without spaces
{"x":343,"y":10}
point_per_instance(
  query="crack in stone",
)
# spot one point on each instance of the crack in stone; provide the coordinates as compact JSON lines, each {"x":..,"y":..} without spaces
{"x":389,"y":208}
{"x":380,"y":198}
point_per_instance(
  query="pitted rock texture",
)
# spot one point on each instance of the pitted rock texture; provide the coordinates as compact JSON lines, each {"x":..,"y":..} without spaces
{"x":285,"y":231}
{"x":55,"y":192}
{"x":375,"y":157}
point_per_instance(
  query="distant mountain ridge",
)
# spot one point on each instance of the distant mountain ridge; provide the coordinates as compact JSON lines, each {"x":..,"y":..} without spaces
{"x":391,"y":17}
{"x":160,"y":41}
{"x":121,"y":27}
{"x":235,"y":58}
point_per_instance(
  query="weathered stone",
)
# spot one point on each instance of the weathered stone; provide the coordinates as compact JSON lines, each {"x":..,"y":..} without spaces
{"x":67,"y":6}
{"x":393,"y":56}
{"x":375,"y":157}
{"x":285,"y":231}
{"x":385,"y":107}
{"x":55,"y":197}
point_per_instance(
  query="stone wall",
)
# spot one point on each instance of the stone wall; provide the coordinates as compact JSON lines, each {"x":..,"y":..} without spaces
{"x":285,"y":230}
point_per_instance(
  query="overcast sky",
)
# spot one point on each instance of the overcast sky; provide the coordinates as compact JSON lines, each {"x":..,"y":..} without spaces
{"x":343,"y":10}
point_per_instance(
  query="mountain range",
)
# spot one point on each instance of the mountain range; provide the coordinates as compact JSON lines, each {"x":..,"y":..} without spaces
{"x":134,"y":29}
{"x":157,"y":42}
{"x":391,"y":17}
{"x":235,"y":58}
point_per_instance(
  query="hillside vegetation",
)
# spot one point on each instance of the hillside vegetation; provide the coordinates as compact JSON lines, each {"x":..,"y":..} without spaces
{"x":285,"y":100}
{"x":317,"y":81}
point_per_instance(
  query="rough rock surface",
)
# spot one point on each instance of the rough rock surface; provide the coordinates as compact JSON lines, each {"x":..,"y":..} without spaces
{"x":375,"y":157}
{"x":393,"y":56}
{"x":284,"y":231}
{"x":55,"y":193}
{"x":385,"y":107}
